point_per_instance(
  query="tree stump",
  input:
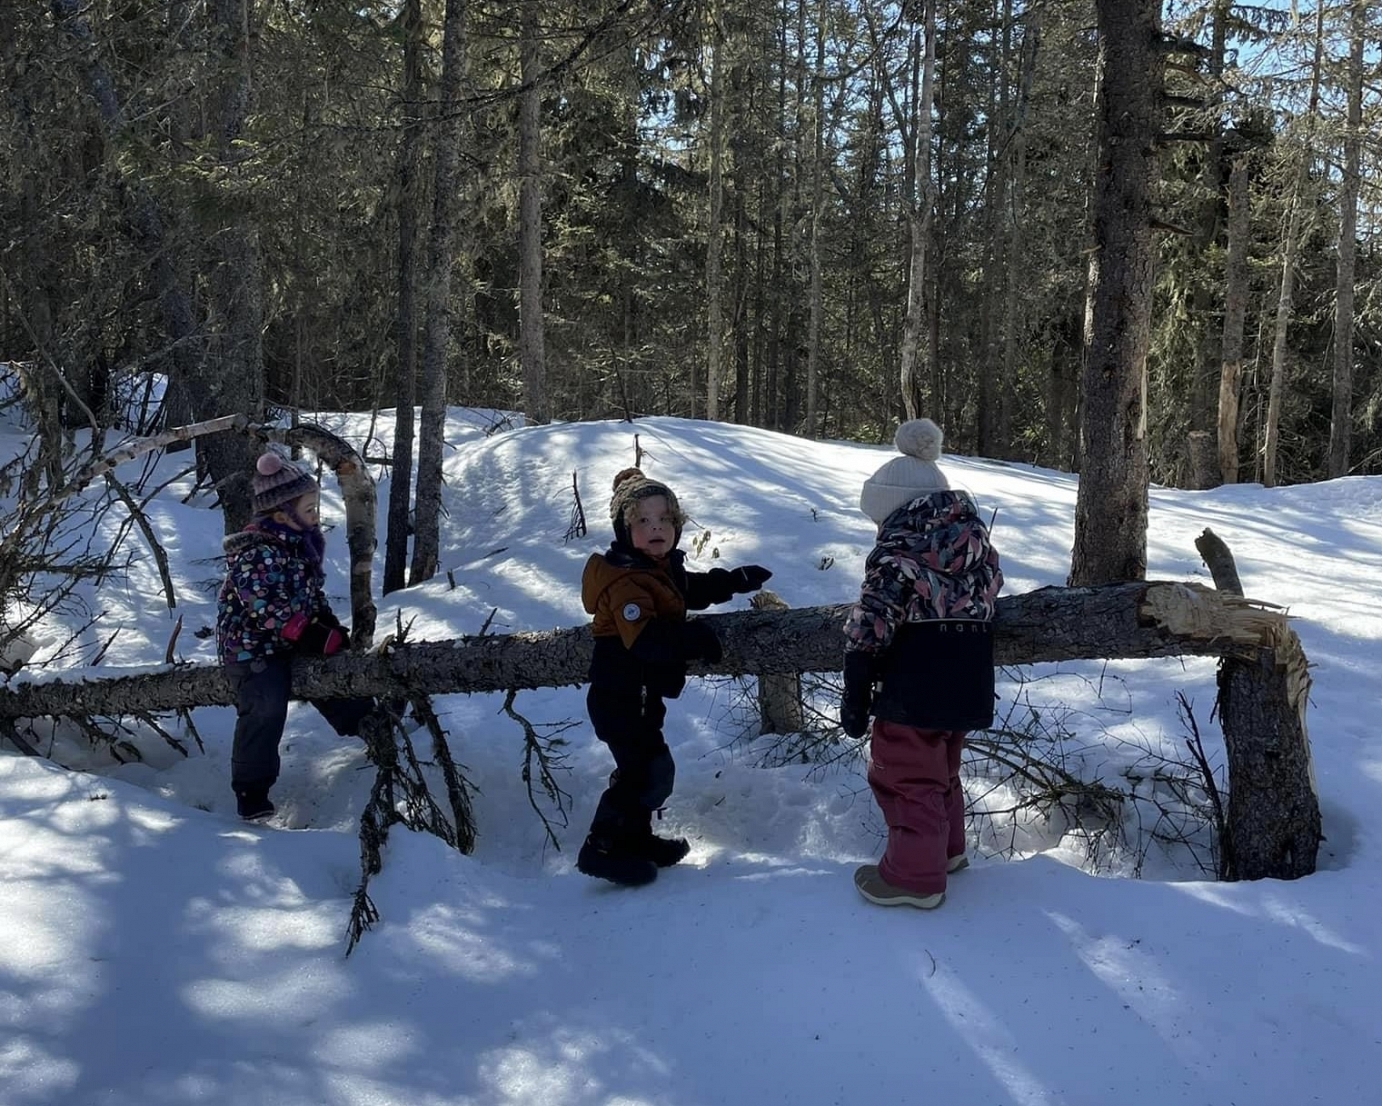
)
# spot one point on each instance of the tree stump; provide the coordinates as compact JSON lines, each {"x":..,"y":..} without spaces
{"x":1203,"y":459}
{"x":1274,"y":826}
{"x":779,"y":697}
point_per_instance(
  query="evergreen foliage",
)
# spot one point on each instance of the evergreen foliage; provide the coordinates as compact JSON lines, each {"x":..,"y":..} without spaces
{"x":113,"y":115}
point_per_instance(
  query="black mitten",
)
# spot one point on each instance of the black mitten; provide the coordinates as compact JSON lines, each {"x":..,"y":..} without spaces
{"x":699,"y":640}
{"x":750,"y":578}
{"x":858,"y":693}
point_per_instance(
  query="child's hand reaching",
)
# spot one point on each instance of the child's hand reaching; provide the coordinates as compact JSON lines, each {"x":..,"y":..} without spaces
{"x":750,"y":578}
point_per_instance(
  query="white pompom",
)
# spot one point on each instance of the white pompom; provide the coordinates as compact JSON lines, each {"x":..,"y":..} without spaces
{"x":269,"y":462}
{"x":919,"y":438}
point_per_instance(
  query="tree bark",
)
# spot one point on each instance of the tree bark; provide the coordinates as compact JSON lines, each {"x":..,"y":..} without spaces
{"x":1273,"y":828}
{"x":1341,"y":410}
{"x":234,"y":383}
{"x":531,"y":340}
{"x":1111,"y":505}
{"x":919,"y":222}
{"x":437,"y":299}
{"x":1235,"y":315}
{"x":817,"y":298}
{"x":358,"y":494}
{"x":779,"y":696}
{"x":1290,"y":246}
{"x":1131,"y":620}
{"x":407,"y":175}
{"x":1209,"y":222}
{"x":714,"y":234}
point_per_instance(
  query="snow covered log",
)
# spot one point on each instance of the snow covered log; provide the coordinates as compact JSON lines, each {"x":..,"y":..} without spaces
{"x":1273,"y":825}
{"x":1143,"y":619}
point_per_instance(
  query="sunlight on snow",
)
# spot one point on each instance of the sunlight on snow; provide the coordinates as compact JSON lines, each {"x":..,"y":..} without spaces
{"x":983,"y":1030}
{"x":1134,"y":975}
{"x":445,"y":935}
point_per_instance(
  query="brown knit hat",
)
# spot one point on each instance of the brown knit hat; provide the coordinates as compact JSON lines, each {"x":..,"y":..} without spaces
{"x":278,"y":479}
{"x":629,"y":487}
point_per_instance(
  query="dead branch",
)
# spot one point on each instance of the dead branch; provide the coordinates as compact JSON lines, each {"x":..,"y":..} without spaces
{"x":537,"y":752}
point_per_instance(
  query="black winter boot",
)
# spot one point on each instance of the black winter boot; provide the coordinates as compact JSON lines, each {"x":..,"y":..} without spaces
{"x":662,"y":851}
{"x":252,"y":803}
{"x":609,"y":858}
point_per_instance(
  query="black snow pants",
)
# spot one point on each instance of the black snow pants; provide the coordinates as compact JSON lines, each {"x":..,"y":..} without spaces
{"x":262,"y":689}
{"x":644,"y":771}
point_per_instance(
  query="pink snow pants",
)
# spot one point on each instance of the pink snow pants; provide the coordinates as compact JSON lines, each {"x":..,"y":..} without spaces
{"x":915,"y":776}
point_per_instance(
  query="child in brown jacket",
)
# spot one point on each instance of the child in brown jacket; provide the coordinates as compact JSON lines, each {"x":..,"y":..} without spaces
{"x":639,"y":592}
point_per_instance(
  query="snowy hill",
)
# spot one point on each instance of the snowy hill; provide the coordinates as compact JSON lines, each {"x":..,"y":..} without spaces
{"x":158,"y":951}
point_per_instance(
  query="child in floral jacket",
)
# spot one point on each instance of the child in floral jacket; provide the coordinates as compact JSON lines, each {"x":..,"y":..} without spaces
{"x":271,"y":607}
{"x":919,"y":658}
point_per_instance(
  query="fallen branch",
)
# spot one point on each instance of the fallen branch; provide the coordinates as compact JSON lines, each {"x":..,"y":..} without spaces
{"x":1132,"y":620}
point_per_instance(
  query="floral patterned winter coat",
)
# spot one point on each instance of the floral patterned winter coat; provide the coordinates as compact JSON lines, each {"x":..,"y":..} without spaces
{"x":272,"y":573}
{"x":923,"y":621}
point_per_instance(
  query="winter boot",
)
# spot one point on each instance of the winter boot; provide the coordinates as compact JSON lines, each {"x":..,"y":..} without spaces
{"x":876,"y":889}
{"x":252,"y":803}
{"x":662,"y":851}
{"x":608,"y":858}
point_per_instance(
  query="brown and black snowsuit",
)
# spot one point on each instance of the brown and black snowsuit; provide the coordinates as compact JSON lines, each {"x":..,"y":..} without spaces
{"x":642,"y":644}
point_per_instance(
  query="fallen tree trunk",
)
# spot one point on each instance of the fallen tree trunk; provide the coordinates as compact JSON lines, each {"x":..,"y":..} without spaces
{"x":1140,"y":619}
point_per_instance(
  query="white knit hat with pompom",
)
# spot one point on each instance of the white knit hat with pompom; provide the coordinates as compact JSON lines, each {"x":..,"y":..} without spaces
{"x":908,"y":477}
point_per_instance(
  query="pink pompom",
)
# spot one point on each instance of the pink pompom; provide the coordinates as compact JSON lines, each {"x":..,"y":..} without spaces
{"x":269,"y":463}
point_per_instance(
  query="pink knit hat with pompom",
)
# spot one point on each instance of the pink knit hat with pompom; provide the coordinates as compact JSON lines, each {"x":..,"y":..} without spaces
{"x":278,"y":479}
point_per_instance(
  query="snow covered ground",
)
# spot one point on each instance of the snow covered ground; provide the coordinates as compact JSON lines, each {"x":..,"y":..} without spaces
{"x":155,"y":950}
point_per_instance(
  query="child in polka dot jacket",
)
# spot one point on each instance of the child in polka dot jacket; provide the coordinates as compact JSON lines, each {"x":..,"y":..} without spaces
{"x":271,"y":607}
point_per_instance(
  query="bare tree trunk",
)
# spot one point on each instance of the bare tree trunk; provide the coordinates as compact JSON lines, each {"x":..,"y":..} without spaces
{"x":148,"y":222}
{"x":741,"y":322}
{"x":437,"y":298}
{"x":988,"y":384}
{"x":1012,"y":213}
{"x":1285,"y":304}
{"x":235,"y":382}
{"x":919,"y":222}
{"x":405,"y":386}
{"x":714,"y":292}
{"x":1235,"y":316}
{"x":531,"y":341}
{"x":1341,"y":410}
{"x":1063,"y":388}
{"x":1209,"y":358}
{"x":358,"y":495}
{"x":1111,"y":506}
{"x":813,"y":339}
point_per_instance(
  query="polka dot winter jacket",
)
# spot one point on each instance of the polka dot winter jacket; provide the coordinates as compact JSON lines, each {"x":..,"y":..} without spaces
{"x":272,"y":573}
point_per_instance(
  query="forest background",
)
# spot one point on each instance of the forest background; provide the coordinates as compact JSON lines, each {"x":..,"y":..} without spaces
{"x":804,"y":215}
